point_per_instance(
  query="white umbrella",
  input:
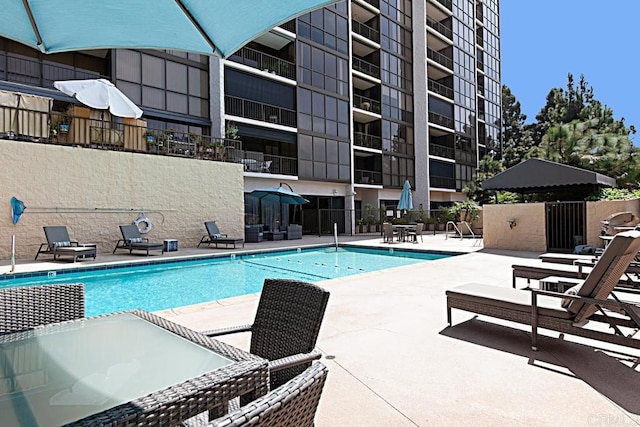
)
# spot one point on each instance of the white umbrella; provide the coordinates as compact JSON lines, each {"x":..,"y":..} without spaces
{"x":100,"y":94}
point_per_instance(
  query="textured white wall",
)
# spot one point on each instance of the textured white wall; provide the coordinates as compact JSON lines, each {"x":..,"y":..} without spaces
{"x":187,"y":191}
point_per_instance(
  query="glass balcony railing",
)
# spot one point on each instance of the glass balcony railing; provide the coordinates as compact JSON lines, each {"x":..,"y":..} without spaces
{"x":441,"y":28}
{"x":438,"y":119}
{"x":441,"y":151}
{"x":442,"y":182}
{"x":366,"y":104}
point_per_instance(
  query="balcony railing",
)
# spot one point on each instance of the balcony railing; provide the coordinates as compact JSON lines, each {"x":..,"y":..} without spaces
{"x":441,"y":28}
{"x":442,"y":182}
{"x":438,"y":119}
{"x":259,"y":111}
{"x":366,"y":31}
{"x":440,"y":89}
{"x":369,"y":141}
{"x":440,"y":58}
{"x":366,"y":67}
{"x":263,"y":61}
{"x":366,"y":104}
{"x":441,"y":151}
{"x":367,"y":177}
{"x":374,"y":3}
{"x":64,"y":129}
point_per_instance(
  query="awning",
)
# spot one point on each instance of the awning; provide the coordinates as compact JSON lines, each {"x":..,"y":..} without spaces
{"x":537,"y":175}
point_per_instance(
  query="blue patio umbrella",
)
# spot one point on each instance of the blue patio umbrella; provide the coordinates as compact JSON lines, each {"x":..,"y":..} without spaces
{"x":406,"y":200}
{"x":210,"y":27}
{"x":279,"y":195}
{"x":17,"y":208}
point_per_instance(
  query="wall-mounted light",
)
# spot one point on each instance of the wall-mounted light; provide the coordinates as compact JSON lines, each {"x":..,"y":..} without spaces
{"x":335,"y":192}
{"x":512,"y":222}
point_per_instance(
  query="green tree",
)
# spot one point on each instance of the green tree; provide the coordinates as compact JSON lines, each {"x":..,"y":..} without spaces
{"x":487,"y":167}
{"x":516,"y":137}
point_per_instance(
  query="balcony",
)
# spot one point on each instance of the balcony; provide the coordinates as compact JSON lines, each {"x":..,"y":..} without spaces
{"x":262,"y":61}
{"x":440,"y":28}
{"x":374,"y":3}
{"x":368,"y":141}
{"x":439,"y":88}
{"x":440,"y":58}
{"x":441,"y":151}
{"x":259,"y":111}
{"x":40,"y":73}
{"x":367,"y":177}
{"x":442,"y":182}
{"x":437,"y":119}
{"x":366,"y":67}
{"x":366,"y":31}
{"x":366,"y":104}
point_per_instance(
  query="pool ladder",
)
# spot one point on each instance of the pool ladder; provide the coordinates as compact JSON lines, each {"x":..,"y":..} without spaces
{"x":458,"y":230}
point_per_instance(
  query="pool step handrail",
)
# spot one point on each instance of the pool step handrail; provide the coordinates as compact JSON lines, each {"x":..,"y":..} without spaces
{"x":458,"y":230}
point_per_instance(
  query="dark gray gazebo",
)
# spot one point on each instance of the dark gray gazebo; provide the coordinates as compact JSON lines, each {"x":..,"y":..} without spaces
{"x":543,"y":176}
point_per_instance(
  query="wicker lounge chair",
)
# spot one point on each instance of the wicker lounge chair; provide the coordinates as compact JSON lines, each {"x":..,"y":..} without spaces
{"x":542,"y":309}
{"x":26,"y":307}
{"x":286,"y":327}
{"x":133,"y":241}
{"x":60,"y":244}
{"x":214,"y":236}
{"x":292,"y":404}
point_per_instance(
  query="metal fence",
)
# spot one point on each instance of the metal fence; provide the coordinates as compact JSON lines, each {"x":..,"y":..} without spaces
{"x":566,"y":225}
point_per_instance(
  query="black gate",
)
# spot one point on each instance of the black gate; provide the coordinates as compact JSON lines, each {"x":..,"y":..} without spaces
{"x":320,"y":221}
{"x":566,"y":225}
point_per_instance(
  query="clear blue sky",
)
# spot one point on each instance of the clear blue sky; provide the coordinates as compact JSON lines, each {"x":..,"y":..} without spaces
{"x":543,"y":41}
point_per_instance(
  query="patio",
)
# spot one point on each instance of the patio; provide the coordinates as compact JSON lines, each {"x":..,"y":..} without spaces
{"x":393,"y":361}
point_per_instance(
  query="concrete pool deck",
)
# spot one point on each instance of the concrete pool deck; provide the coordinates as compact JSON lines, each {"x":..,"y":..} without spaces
{"x":394,"y":362}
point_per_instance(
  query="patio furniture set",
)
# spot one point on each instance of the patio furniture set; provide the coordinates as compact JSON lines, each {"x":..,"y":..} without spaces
{"x":402,"y":232}
{"x":60,"y":367}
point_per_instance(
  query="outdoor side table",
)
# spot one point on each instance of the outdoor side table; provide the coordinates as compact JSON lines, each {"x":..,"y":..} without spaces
{"x":130,"y":368}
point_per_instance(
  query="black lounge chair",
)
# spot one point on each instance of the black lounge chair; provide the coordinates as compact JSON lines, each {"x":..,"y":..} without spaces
{"x":215,"y":237}
{"x":133,"y":241}
{"x":60,"y":244}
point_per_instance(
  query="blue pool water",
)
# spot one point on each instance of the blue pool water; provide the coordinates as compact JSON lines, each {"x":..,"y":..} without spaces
{"x":161,"y":286}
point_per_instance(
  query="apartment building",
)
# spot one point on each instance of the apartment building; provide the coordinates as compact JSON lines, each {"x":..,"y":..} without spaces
{"x":343,"y":104}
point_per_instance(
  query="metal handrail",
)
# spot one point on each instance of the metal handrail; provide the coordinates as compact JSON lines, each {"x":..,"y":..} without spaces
{"x":457,"y":230}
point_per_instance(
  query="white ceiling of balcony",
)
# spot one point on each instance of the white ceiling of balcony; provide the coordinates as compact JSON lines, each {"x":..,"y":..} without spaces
{"x":360,"y":13}
{"x":275,"y":39}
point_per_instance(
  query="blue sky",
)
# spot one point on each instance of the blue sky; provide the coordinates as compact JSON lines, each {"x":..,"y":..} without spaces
{"x":543,"y":41}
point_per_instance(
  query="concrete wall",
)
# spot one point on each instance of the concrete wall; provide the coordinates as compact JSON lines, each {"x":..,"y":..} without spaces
{"x":187,"y":192}
{"x":529,"y":232}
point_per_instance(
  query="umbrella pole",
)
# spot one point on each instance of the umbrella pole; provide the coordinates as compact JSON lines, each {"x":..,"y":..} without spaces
{"x":13,"y":253}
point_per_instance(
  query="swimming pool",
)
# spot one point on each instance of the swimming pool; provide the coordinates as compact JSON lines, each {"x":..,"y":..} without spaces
{"x":162,"y":285}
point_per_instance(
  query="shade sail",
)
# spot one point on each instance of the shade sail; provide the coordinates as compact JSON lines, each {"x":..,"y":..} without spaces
{"x":406,"y":199}
{"x":537,"y":175}
{"x":210,"y":27}
{"x":100,"y":94}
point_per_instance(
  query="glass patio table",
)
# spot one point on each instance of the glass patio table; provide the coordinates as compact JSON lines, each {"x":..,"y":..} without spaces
{"x":123,"y":368}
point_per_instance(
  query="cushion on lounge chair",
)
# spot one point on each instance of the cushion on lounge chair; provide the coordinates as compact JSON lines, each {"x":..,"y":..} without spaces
{"x":509,"y":298}
{"x":61,"y":244}
{"x":571,"y":291}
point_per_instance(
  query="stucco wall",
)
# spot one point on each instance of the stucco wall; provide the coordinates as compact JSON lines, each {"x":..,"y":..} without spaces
{"x":528,"y":234}
{"x":186,"y":191}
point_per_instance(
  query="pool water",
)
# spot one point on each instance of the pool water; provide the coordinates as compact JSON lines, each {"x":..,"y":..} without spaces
{"x":167,"y":285}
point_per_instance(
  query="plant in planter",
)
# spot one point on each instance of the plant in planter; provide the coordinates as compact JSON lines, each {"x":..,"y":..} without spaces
{"x":369,"y":216}
{"x":465,"y":211}
{"x":64,"y":122}
{"x":429,"y":222}
{"x":231,"y":131}
{"x":361,"y":224}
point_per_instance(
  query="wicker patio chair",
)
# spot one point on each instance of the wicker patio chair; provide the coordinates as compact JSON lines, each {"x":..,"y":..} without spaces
{"x":292,"y":404}
{"x":286,"y":327}
{"x":569,"y":312}
{"x":26,"y":307}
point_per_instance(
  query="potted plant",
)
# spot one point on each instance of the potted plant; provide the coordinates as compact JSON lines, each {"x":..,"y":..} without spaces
{"x":467,"y":211}
{"x":64,"y":123}
{"x":361,"y":224}
{"x":430,"y":223}
{"x":369,"y":216}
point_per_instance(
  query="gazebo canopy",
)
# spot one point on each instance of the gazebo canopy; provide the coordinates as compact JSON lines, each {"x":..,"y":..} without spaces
{"x":543,"y":176}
